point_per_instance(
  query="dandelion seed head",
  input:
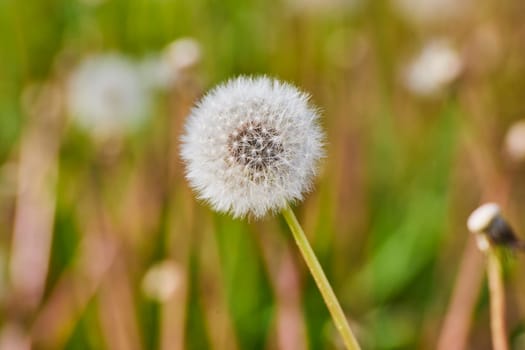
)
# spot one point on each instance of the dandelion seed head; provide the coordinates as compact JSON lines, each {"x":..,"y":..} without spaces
{"x":268,"y":144}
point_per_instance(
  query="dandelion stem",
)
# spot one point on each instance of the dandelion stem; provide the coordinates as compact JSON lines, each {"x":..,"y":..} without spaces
{"x":497,"y":301}
{"x":320,"y":279}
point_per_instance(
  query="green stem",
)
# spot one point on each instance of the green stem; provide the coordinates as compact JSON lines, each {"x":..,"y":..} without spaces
{"x":320,"y":279}
{"x":497,"y":301}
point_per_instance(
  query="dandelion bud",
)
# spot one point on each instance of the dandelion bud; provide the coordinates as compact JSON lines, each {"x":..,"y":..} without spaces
{"x":488,"y":222}
{"x":251,"y":146}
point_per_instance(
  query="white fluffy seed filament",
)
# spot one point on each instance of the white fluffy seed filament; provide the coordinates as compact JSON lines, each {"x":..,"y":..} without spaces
{"x":256,"y":147}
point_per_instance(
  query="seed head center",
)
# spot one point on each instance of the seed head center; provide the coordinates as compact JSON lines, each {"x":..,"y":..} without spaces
{"x":255,"y":146}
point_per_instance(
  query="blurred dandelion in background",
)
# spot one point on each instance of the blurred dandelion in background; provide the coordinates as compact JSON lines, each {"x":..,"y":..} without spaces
{"x":162,"y":280}
{"x":436,"y":66}
{"x":162,"y":70}
{"x":106,"y":95}
{"x":515,"y":141}
{"x":182,"y":54}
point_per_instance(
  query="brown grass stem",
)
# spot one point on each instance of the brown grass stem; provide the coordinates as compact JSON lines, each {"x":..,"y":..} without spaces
{"x":456,"y":326}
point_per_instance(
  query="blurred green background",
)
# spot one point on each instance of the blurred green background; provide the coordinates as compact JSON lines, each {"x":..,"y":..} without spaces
{"x":103,"y":246}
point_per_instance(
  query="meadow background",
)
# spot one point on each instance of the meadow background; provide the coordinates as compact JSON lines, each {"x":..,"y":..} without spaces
{"x":103,"y":245}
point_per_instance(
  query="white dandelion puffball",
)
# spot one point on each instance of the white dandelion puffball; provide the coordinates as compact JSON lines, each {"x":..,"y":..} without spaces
{"x":437,"y":65}
{"x":251,"y":146}
{"x":106,"y":94}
